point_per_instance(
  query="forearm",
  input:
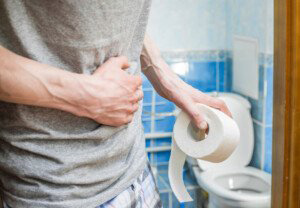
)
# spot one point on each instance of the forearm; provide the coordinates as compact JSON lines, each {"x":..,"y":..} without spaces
{"x":164,"y":80}
{"x":171,"y":87}
{"x":29,"y":82}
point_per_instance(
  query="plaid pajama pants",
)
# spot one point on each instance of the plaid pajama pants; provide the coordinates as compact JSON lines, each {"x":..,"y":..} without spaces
{"x":143,"y":193}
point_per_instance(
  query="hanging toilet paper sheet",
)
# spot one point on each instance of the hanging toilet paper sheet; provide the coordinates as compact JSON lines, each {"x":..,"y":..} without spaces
{"x":220,"y":141}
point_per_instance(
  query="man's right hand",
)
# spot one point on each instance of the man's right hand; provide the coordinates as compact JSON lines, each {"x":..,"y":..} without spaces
{"x":110,"y":96}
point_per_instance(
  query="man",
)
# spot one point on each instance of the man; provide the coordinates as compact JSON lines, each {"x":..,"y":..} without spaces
{"x":70,"y":91}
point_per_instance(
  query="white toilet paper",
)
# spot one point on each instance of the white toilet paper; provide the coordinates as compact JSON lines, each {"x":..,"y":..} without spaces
{"x":216,"y":146}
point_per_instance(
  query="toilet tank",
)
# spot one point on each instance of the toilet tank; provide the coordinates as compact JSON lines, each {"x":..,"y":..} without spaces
{"x":241,"y":157}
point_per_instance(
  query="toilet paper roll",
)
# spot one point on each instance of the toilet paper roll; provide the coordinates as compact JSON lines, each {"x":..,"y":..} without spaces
{"x":220,"y":141}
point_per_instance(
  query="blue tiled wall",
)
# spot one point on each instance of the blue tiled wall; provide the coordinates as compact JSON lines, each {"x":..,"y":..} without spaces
{"x":207,"y":26}
{"x":211,"y":71}
{"x":168,"y":198}
{"x":207,"y":71}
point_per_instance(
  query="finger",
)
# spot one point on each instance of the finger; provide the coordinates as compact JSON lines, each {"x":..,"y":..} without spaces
{"x":221,"y":105}
{"x":196,"y":116}
{"x":215,"y":103}
{"x":224,"y":108}
{"x":136,"y":81}
{"x":112,"y":63}
{"x":135,"y":107}
{"x":138,"y":96}
{"x":132,"y":108}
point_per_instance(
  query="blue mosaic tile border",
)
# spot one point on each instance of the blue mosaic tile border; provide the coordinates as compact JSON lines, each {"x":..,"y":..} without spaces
{"x":203,"y":56}
{"x":264,"y":59}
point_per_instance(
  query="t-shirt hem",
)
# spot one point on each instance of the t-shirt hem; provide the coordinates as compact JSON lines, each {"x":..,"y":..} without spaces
{"x":13,"y":202}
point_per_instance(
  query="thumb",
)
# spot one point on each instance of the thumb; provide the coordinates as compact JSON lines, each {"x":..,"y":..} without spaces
{"x":113,"y":63}
{"x":196,"y":116}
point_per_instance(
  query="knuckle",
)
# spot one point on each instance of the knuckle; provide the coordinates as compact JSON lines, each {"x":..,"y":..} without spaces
{"x":135,"y":107}
{"x":196,"y":115}
{"x":134,"y":97}
{"x":141,"y":94}
{"x":219,"y":102}
{"x":222,"y":103}
{"x":130,"y":109}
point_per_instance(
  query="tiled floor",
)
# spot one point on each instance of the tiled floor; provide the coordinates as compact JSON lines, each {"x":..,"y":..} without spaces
{"x":168,"y":198}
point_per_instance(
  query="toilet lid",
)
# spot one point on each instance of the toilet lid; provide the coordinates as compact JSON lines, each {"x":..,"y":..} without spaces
{"x":242,"y":154}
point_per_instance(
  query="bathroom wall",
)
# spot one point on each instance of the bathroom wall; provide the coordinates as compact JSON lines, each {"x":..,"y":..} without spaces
{"x":255,"y":19}
{"x":251,"y":18}
{"x":192,"y":37}
{"x":188,"y":24}
{"x":195,"y":38}
{"x":205,"y":71}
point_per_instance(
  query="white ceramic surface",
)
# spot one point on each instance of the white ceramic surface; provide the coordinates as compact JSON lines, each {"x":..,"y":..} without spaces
{"x":245,"y":66}
{"x":248,"y":186}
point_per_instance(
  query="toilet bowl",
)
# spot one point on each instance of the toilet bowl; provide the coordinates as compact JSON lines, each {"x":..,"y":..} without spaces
{"x":232,"y":183}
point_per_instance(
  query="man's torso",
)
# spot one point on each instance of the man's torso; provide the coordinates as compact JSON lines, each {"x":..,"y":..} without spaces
{"x":50,"y":157}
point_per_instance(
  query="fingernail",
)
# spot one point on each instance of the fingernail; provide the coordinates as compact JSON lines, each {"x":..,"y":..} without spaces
{"x":203,"y":125}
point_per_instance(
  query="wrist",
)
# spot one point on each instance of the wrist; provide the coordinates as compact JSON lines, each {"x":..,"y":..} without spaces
{"x":171,"y":85}
{"x":67,"y":93}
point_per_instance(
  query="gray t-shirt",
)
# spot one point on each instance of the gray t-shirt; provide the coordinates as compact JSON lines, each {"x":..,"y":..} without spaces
{"x":51,"y":158}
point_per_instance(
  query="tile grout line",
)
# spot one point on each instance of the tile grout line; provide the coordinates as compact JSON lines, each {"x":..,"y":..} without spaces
{"x":218,"y":74}
{"x":257,"y":121}
{"x":153,"y":111}
{"x":264,"y":122}
{"x":225,"y":71}
{"x":165,"y":183}
{"x":156,"y":103}
{"x":265,"y":94}
{"x":170,"y":199}
{"x":152,"y":121}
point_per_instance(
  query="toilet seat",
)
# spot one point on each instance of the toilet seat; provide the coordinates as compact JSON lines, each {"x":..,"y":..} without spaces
{"x":209,"y":180}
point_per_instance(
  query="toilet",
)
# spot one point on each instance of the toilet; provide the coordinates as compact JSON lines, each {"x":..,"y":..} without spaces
{"x":232,"y":183}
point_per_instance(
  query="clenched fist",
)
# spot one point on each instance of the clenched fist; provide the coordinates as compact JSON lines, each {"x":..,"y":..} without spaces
{"x":110,"y":96}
